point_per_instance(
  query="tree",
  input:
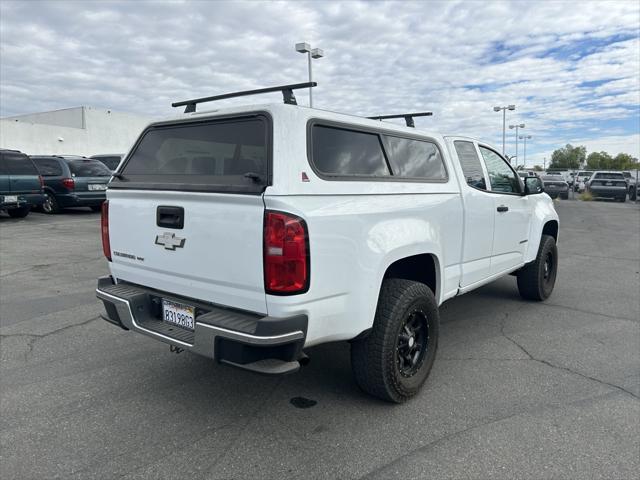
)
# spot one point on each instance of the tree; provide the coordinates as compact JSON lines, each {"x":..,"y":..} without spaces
{"x":537,"y":168}
{"x":624,"y":161}
{"x":599,"y":161}
{"x":568,"y":157}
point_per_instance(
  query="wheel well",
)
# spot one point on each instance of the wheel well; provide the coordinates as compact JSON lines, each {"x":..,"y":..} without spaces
{"x":419,"y":268}
{"x":551,"y":228}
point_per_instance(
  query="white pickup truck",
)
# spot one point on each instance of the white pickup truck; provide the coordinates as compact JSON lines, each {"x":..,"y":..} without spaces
{"x":248,"y":234}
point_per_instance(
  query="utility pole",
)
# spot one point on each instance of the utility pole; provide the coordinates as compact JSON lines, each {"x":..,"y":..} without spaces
{"x":311,"y":53}
{"x":516,"y":126}
{"x":504,"y":120}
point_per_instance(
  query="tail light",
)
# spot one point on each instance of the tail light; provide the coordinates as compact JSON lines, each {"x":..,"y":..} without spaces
{"x":69,"y":183}
{"x":286,"y":254}
{"x":41,"y":181}
{"x":104,"y":227}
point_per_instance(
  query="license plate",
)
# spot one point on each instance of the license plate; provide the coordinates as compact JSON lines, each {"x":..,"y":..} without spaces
{"x":11,"y":199}
{"x":608,"y":184}
{"x":97,"y":186}
{"x":178,"y":314}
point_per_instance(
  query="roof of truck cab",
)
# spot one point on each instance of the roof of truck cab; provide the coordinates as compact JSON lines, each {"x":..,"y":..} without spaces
{"x":310,"y":113}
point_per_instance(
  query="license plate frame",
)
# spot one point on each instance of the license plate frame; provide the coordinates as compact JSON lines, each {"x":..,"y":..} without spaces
{"x":97,"y":187}
{"x":178,"y":314}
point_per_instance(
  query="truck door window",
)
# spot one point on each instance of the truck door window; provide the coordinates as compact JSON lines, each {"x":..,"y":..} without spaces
{"x":470,"y":163}
{"x":501,"y":177}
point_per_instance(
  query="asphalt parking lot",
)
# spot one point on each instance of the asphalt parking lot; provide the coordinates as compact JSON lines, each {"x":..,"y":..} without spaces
{"x":519,"y":390}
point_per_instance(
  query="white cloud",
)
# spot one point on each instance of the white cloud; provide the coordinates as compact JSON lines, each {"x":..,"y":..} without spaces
{"x":458,"y":59}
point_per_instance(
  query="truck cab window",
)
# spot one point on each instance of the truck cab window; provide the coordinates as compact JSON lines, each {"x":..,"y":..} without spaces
{"x":501,"y":177}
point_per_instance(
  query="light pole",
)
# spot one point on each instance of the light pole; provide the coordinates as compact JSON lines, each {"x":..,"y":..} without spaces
{"x":517,"y":126}
{"x":311,"y":53}
{"x":504,"y":119}
{"x":525,"y":137}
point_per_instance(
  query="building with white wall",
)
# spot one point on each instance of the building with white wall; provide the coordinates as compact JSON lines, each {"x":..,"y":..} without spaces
{"x":72,"y":131}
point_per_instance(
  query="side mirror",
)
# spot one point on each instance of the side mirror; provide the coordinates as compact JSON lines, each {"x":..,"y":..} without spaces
{"x":533,"y":185}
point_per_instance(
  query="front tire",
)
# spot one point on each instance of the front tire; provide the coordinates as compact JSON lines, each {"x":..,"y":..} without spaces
{"x":537,"y":279}
{"x":19,"y":212}
{"x":394,"y":360}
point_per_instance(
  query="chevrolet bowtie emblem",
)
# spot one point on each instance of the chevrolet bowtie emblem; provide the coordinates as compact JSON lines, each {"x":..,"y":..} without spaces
{"x":169,"y":241}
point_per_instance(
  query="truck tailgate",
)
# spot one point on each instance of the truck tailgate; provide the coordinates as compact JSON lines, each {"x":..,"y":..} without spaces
{"x":216,"y":257}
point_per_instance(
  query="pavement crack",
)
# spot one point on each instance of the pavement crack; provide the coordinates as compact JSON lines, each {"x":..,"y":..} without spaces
{"x":559,"y":367}
{"x":425,"y":448}
{"x":34,"y":337}
{"x":586,"y":312}
{"x":47,"y":265}
{"x":434,"y":443}
{"x":253,"y":416}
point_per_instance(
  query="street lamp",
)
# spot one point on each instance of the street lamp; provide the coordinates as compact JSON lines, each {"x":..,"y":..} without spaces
{"x":504,"y":119}
{"x":525,"y":137}
{"x":311,"y":53}
{"x":517,"y":126}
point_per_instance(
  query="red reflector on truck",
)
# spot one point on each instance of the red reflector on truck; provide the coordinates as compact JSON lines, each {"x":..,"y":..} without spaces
{"x":286,"y":254}
{"x":104,"y":227}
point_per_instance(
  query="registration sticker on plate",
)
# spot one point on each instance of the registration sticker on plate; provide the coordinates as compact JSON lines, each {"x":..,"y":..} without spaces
{"x":10,"y":199}
{"x":97,"y":186}
{"x":178,"y":314}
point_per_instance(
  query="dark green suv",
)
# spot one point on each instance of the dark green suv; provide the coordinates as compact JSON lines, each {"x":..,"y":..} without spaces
{"x":20,"y":184}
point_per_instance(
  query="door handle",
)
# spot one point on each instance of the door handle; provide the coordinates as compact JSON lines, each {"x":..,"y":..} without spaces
{"x":170,"y":217}
{"x":503,"y":208}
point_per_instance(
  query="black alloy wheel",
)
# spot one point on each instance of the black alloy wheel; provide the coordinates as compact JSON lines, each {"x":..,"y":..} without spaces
{"x":413,"y":343}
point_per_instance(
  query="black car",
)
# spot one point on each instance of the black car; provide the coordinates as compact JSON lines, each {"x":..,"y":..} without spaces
{"x":111,"y":161}
{"x":20,"y":184}
{"x":608,"y":184}
{"x":555,"y":186}
{"x":71,"y":181}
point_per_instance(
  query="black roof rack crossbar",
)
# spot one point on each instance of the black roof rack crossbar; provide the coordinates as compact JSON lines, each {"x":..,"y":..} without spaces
{"x":408,"y":117}
{"x":287,"y":94}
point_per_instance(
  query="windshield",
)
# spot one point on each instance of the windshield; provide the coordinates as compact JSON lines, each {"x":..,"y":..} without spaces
{"x":229,"y":152}
{"x":16,"y":164}
{"x":88,"y":168}
{"x":111,"y":162}
{"x":610,"y":176}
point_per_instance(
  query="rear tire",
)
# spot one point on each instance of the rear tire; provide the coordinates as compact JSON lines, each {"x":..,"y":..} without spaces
{"x":537,"y":279}
{"x":632,"y":194}
{"x":623,"y":199}
{"x":19,"y":212}
{"x":50,"y":204}
{"x":394,"y":360}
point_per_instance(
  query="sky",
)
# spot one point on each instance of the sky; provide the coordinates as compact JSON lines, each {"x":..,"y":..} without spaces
{"x":571,"y":68}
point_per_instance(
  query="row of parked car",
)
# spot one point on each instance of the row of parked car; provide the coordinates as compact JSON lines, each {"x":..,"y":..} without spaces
{"x":600,"y":184}
{"x":53,"y":182}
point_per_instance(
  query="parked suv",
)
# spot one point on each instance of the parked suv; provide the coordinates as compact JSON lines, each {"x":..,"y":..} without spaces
{"x":555,"y":186}
{"x":631,"y":184}
{"x":250,"y":233}
{"x":608,"y":185}
{"x":111,"y":161}
{"x":20,"y":184}
{"x":71,"y":181}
